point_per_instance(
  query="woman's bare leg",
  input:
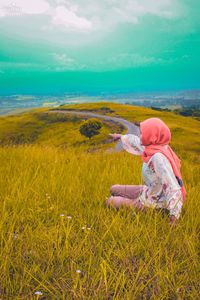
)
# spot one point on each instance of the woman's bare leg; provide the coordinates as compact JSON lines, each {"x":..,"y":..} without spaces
{"x":118,"y":201}
{"x":127,"y":191}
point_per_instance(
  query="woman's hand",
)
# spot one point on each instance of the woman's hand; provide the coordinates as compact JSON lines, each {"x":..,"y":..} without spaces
{"x":115,"y":136}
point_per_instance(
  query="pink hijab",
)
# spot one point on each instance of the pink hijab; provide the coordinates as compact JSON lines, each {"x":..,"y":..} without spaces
{"x":155,"y":134}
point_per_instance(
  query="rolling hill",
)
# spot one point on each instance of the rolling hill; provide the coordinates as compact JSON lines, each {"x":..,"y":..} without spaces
{"x":60,"y":241}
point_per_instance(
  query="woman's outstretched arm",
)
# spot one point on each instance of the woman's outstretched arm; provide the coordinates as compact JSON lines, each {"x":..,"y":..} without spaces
{"x":115,"y":136}
{"x":130,"y":142}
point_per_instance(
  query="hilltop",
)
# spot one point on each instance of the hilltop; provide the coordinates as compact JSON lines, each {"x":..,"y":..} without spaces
{"x":39,"y":127}
{"x":60,"y":241}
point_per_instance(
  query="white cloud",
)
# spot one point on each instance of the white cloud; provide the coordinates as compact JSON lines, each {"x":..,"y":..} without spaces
{"x":63,"y":62}
{"x":18,"y":7}
{"x":68,"y":18}
{"x":128,"y":60}
{"x":131,"y":59}
{"x":88,"y":15}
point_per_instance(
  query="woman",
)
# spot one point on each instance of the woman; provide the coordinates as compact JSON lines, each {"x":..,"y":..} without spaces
{"x":163,"y":186}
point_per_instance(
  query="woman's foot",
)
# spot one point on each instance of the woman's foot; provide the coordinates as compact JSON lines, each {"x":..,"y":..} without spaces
{"x":108,"y":201}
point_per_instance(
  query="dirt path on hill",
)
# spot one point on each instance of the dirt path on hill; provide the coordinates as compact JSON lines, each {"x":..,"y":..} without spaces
{"x":132,"y":128}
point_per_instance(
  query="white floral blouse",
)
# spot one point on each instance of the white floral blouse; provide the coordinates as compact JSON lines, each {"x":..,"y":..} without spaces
{"x":161,"y":188}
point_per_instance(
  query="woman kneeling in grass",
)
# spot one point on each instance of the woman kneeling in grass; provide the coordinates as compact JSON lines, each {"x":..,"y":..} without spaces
{"x":163,"y":186}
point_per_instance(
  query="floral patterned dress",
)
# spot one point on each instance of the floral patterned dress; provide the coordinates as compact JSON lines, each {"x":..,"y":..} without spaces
{"x":161,"y":188}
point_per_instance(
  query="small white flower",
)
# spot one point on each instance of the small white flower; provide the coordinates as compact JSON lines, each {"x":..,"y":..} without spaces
{"x":69,"y":217}
{"x":38,"y":293}
{"x":88,"y":228}
{"x":83,"y":228}
{"x":15,"y":235}
{"x":62,"y":215}
{"x":78,"y":271}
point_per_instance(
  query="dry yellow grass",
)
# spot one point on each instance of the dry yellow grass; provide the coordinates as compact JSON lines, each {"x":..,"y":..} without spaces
{"x":125,"y":254}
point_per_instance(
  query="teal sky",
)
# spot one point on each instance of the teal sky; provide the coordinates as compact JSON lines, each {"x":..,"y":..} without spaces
{"x":99,"y":45}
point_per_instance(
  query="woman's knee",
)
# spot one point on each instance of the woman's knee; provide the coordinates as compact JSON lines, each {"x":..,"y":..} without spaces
{"x":114,"y":188}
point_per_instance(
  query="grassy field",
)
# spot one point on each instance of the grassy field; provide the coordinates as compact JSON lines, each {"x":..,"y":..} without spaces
{"x":60,"y":241}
